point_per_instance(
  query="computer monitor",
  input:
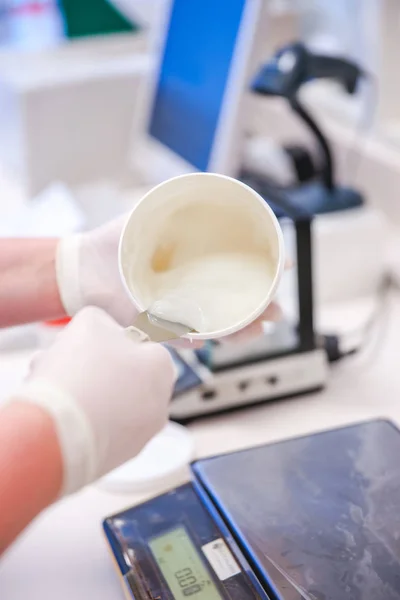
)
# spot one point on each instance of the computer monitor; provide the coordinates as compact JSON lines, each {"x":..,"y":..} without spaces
{"x":206,"y":64}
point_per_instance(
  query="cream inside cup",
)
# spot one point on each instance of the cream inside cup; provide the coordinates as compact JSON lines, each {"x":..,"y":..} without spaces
{"x":204,"y":250}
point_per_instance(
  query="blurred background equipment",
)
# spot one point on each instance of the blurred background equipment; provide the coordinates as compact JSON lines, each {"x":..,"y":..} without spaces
{"x":94,"y":17}
{"x":66,"y":116}
{"x":283,"y":76}
{"x":67,"y":107}
{"x":31,"y":25}
{"x":192,"y":110}
{"x":341,"y":210}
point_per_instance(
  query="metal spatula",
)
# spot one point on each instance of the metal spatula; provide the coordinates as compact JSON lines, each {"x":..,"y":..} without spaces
{"x":148,"y":328}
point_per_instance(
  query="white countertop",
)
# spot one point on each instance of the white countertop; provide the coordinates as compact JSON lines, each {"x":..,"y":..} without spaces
{"x":63,"y":554}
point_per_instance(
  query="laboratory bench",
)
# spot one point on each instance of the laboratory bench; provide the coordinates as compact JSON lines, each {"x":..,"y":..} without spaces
{"x":63,"y":554}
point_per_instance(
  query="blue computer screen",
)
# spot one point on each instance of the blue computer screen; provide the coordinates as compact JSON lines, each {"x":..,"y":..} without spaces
{"x":194,"y":72}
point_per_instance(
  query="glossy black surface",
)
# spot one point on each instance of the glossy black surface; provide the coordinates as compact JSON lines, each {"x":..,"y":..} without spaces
{"x":322,"y":512}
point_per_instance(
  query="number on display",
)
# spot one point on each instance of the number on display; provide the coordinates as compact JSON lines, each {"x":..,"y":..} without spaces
{"x":188,"y":582}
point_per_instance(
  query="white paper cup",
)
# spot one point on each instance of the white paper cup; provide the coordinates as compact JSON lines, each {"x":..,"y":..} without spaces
{"x":190,"y":214}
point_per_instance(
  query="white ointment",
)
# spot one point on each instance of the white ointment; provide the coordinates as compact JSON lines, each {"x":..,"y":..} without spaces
{"x":214,"y":291}
{"x":208,"y":266}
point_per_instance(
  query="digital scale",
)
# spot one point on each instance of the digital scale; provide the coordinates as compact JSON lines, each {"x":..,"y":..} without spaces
{"x":314,"y":518}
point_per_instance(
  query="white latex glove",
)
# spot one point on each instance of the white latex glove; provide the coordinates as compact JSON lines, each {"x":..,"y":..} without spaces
{"x":108,"y":396}
{"x":88,"y":275}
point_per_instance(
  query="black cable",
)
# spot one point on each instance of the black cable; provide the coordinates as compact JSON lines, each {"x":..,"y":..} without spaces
{"x":327,"y":171}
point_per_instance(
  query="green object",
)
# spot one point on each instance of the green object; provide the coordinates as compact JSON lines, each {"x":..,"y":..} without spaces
{"x":182,"y":567}
{"x":93,"y":17}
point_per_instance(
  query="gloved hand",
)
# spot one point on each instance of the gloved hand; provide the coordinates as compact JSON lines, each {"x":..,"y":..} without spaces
{"x":108,"y":396}
{"x":88,"y":275}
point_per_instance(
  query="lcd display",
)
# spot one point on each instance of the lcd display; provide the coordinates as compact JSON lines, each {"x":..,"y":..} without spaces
{"x":182,"y":567}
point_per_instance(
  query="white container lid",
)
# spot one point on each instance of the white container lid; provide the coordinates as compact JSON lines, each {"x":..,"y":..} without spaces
{"x":163,"y":462}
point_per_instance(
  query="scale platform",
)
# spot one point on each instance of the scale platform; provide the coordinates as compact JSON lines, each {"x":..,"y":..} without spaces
{"x":314,"y":518}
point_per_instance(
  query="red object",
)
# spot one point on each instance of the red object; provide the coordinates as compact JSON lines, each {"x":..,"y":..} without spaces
{"x":32,"y":8}
{"x":58,"y":322}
